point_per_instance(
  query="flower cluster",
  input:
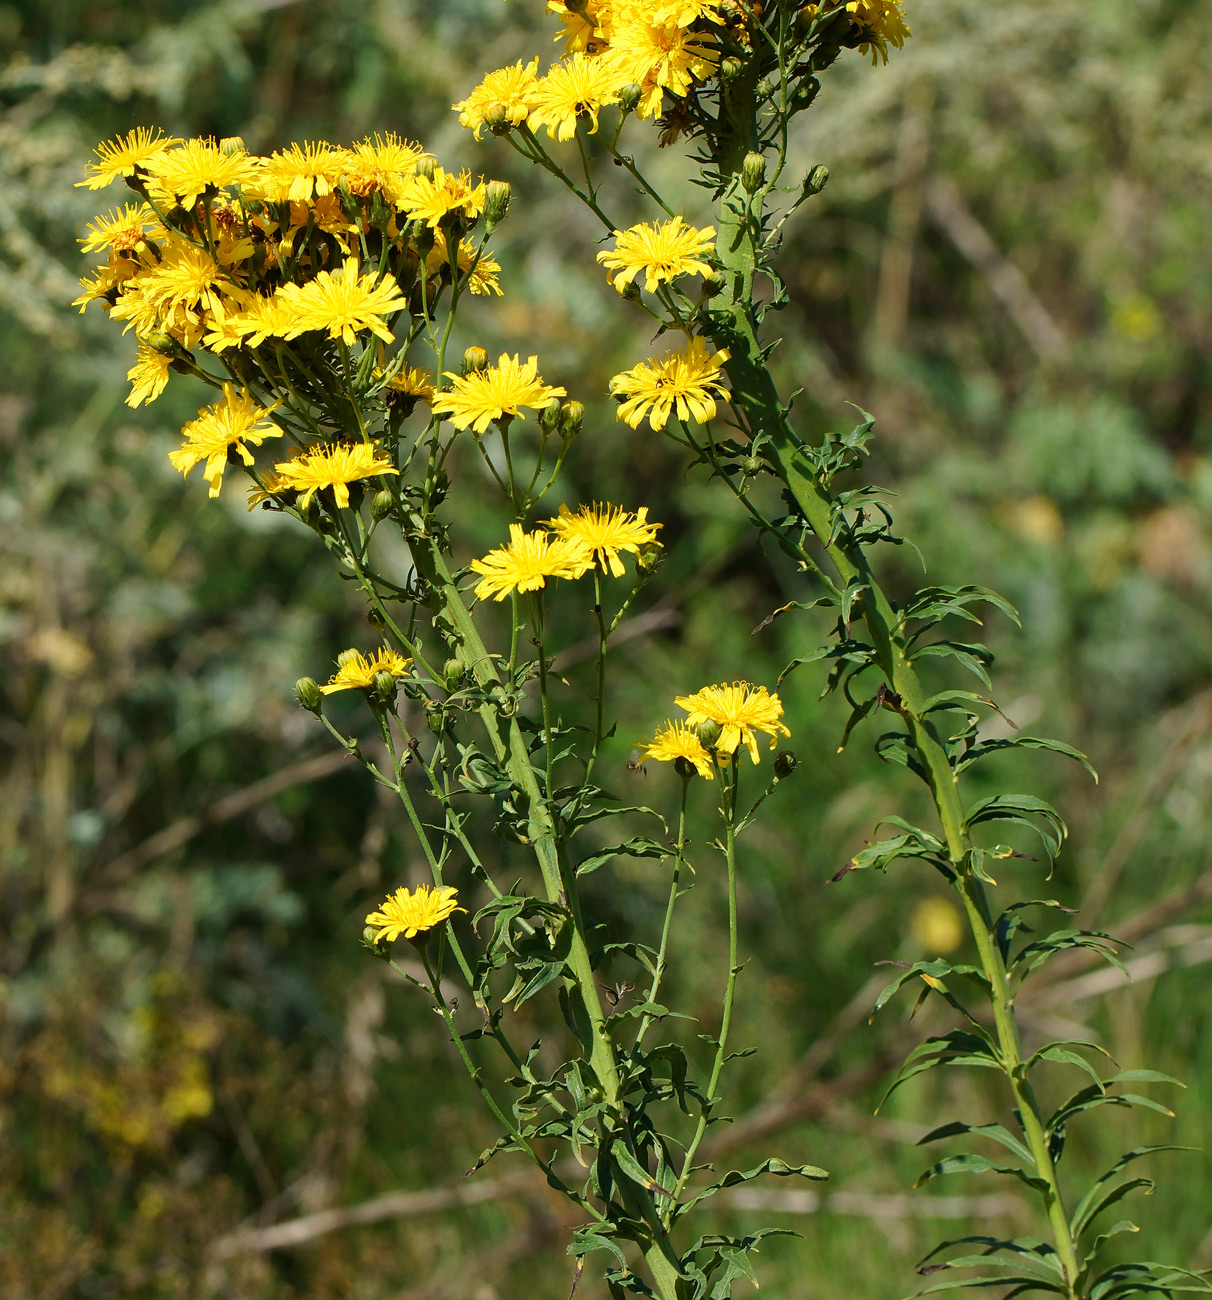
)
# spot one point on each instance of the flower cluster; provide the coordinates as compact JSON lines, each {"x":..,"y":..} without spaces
{"x":595,"y":535}
{"x":720,"y":719}
{"x":271,"y":278}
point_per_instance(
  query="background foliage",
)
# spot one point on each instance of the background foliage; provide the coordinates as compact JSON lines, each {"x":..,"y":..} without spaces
{"x":1004,"y":268}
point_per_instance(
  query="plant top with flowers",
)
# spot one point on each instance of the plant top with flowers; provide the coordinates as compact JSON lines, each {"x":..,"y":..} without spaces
{"x":315,"y":291}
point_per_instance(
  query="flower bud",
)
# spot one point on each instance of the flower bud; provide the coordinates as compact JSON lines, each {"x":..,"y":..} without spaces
{"x":549,"y":416}
{"x":496,"y":119}
{"x":629,"y":97}
{"x":709,"y":733}
{"x":308,"y":694}
{"x":385,"y":687}
{"x":425,"y":167}
{"x":496,"y":204}
{"x":160,"y":342}
{"x":474,"y":359}
{"x":572,"y":417}
{"x":452,"y":673}
{"x":380,"y":950}
{"x":232,"y":144}
{"x":751,"y":466}
{"x":814,"y":182}
{"x":753,"y":172}
{"x":436,"y":720}
{"x":381,"y":505}
{"x":785,"y":763}
{"x":649,"y":557}
{"x":730,"y":69}
{"x":347,"y":657}
{"x":764,"y":89}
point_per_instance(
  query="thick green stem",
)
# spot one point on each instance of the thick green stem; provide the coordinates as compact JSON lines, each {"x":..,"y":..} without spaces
{"x":732,"y":325}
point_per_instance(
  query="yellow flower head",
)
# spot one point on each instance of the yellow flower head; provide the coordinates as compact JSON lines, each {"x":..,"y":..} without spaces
{"x":147,"y":376}
{"x":508,"y":92}
{"x":220,"y":429}
{"x":662,"y":250}
{"x":124,"y":230}
{"x":528,"y":561}
{"x":881,"y":23}
{"x":412,"y":912}
{"x":383,"y":164}
{"x":357,"y":672}
{"x":578,"y":87}
{"x":658,"y":57}
{"x":739,"y":710}
{"x":412,"y":382}
{"x":682,"y":13}
{"x":174,"y":295}
{"x":684,"y":381}
{"x":429,"y":200}
{"x":606,"y":530}
{"x":128,"y":155}
{"x":494,"y":392}
{"x":106,"y":283}
{"x":335,"y":467}
{"x":261,"y":318}
{"x":301,"y":173}
{"x":483,"y":272}
{"x":582,"y":31}
{"x":184,"y":174}
{"x":343,"y":302}
{"x":674,"y":740}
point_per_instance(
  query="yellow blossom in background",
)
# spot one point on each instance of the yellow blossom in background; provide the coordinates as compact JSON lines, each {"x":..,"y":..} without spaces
{"x":220,"y":429}
{"x":182,"y":175}
{"x":344,"y":302}
{"x":674,"y":740}
{"x":147,"y":376}
{"x":662,"y":250}
{"x":508,"y":91}
{"x":937,"y":926}
{"x":494,"y":392}
{"x":124,"y":230}
{"x":682,"y":381}
{"x":606,"y":530}
{"x":739,"y":710}
{"x":430,"y":199}
{"x":412,"y":912}
{"x":356,"y":671}
{"x":579,"y":87}
{"x":301,"y":173}
{"x":333,"y":467}
{"x":528,"y":561}
{"x":128,"y":155}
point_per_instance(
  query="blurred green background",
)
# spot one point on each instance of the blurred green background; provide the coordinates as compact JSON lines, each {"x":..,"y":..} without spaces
{"x":206,"y":1089}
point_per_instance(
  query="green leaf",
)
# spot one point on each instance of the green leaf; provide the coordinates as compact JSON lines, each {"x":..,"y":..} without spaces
{"x":1090,"y":1206}
{"x":971,"y":1163}
{"x":734,"y":1177}
{"x":968,"y":655}
{"x":994,"y":1131}
{"x":639,"y":846}
{"x":987,"y":747}
{"x":1026,"y":810}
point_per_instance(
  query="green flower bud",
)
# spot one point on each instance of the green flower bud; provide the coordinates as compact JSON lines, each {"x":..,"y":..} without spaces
{"x":385,"y":687}
{"x":474,"y":359}
{"x":751,"y":466}
{"x":452,"y":673}
{"x":496,"y":204}
{"x":649,"y":557}
{"x":785,"y":762}
{"x":765,"y":88}
{"x":709,"y":733}
{"x":381,"y":505}
{"x":549,"y":416}
{"x":308,"y":694}
{"x":730,"y":69}
{"x":629,"y":97}
{"x":572,"y":417}
{"x":496,"y":119}
{"x":347,"y":657}
{"x":380,"y":950}
{"x":814,"y":182}
{"x":753,"y":172}
{"x":232,"y":144}
{"x":425,"y":167}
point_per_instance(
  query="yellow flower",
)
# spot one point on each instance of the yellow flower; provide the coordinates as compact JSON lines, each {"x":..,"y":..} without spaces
{"x":606,"y":530}
{"x":148,"y":375}
{"x":221,"y":429}
{"x":684,"y":12}
{"x":383,"y":164}
{"x":261,"y":318}
{"x":483,"y":272}
{"x":124,"y":230}
{"x":494,"y":392}
{"x":659,"y":57}
{"x":183,"y":175}
{"x":581,"y":27}
{"x":344,"y":302}
{"x":126,"y":156}
{"x":528,"y":561}
{"x":106,"y":283}
{"x":683,"y":381}
{"x":580,"y":86}
{"x":429,"y":200}
{"x":674,"y":740}
{"x":174,"y":294}
{"x":662,"y":250}
{"x":738,"y":710}
{"x":301,"y":173}
{"x":335,"y":467}
{"x":412,"y":382}
{"x":413,"y":912}
{"x":357,"y":672}
{"x":508,"y":91}
{"x":881,"y":23}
